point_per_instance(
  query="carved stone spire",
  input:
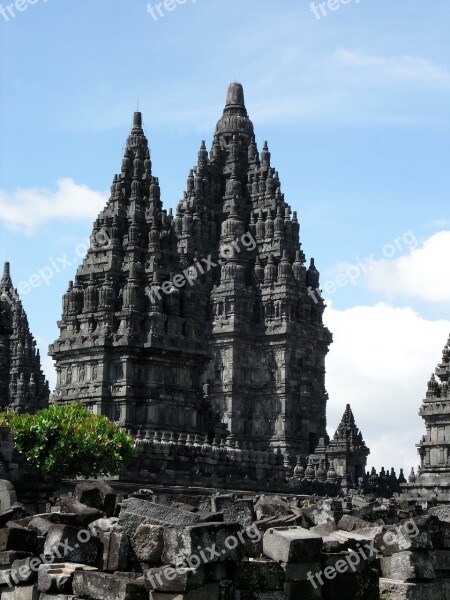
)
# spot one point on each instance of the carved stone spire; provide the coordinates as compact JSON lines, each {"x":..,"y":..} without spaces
{"x":19,"y":358}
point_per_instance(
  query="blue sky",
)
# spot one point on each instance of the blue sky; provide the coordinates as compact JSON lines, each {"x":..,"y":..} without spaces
{"x":356,"y":110}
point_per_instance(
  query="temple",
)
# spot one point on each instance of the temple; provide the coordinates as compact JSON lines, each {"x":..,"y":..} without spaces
{"x":23,"y":387}
{"x":200,"y":326}
{"x":433,"y":476}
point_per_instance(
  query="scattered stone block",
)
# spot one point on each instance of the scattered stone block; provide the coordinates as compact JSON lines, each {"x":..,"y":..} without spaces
{"x":168,"y":579}
{"x":262,"y":595}
{"x":103,"y":526}
{"x":259,"y":575}
{"x":325,"y":510}
{"x":300,"y":571}
{"x":102,"y":586}
{"x":134,"y":512}
{"x":97,"y":495}
{"x":113,"y":555}
{"x":350,"y":523}
{"x":394,"y":539}
{"x":342,"y":541}
{"x":209,"y":542}
{"x":210,"y":591}
{"x":24,"y":570}
{"x":148,"y":543}
{"x":18,"y":539}
{"x":401,"y":590}
{"x":23,"y":592}
{"x":271,"y":506}
{"x":57,"y":578}
{"x":407,"y":565}
{"x":210,"y":517}
{"x":302,"y":590}
{"x":67,"y":543}
{"x":40,"y":525}
{"x":325,"y":529}
{"x":8,"y":495}
{"x":293,"y":544}
{"x":238,"y":511}
{"x":352,"y":586}
{"x":71,"y":505}
{"x":440,"y":560}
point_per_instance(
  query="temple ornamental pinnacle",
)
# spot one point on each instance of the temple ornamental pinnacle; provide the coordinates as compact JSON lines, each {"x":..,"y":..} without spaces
{"x":200,"y":323}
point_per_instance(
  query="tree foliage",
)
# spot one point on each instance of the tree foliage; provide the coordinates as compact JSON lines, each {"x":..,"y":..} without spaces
{"x":69,"y":441}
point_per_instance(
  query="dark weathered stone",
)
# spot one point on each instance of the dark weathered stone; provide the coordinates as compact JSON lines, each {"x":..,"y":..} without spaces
{"x":18,"y":539}
{"x":325,"y":510}
{"x":292,"y":545}
{"x":97,"y":495}
{"x":67,"y":543}
{"x":135,"y":512}
{"x":217,"y":541}
{"x":69,"y":504}
{"x":148,"y":543}
{"x":24,"y":570}
{"x":210,"y":591}
{"x":259,"y":575}
{"x":271,"y":506}
{"x":57,"y":578}
{"x":25,"y":592}
{"x":407,"y":565}
{"x":101,"y":586}
{"x":113,"y":554}
{"x":40,"y":525}
{"x":391,"y":589}
{"x":350,"y":523}
{"x":239,"y":511}
{"x":167,"y":579}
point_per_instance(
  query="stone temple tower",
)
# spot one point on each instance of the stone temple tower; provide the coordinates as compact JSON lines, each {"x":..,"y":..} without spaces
{"x":203,"y":321}
{"x":434,"y":447}
{"x":23,"y":387}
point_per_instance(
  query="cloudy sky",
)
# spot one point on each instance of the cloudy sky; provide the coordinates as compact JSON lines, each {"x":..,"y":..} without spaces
{"x":355,"y":105}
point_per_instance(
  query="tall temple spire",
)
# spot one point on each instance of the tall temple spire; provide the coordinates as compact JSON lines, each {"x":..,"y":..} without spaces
{"x":246,"y":328}
{"x":6,"y":283}
{"x":433,"y":476}
{"x":22,"y":383}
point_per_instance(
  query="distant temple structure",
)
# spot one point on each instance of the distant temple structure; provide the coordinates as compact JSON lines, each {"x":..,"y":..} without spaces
{"x":202,"y":329}
{"x":23,"y":387}
{"x":433,"y":476}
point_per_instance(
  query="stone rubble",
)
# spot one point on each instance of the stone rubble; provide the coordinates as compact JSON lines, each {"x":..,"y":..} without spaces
{"x":140,"y":545}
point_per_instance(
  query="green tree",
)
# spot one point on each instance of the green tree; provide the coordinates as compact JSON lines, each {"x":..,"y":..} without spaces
{"x":69,"y":441}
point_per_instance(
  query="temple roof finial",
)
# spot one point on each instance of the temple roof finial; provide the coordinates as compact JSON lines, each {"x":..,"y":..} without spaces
{"x":235,"y":95}
{"x":137,"y":121}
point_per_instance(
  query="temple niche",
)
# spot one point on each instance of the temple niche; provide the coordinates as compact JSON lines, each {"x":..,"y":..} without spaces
{"x":201,"y":323}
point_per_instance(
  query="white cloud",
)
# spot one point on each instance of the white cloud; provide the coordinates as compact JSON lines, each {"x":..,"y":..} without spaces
{"x":412,"y":69}
{"x":380,"y":362}
{"x":26,"y":209}
{"x":421,"y":274}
